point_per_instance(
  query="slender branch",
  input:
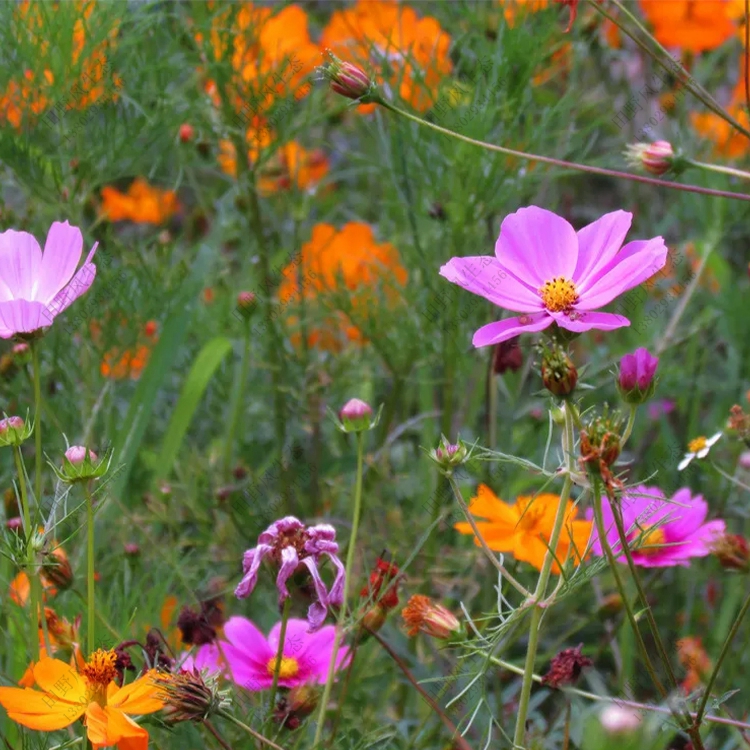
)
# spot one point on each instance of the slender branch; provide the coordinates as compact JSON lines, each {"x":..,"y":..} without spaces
{"x":719,"y":168}
{"x":459,"y":741}
{"x":211,"y":728}
{"x":250,"y":731}
{"x":279,"y":654}
{"x":37,"y":423}
{"x":629,"y":425}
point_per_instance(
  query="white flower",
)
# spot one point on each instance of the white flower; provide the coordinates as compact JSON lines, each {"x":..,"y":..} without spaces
{"x":698,"y":448}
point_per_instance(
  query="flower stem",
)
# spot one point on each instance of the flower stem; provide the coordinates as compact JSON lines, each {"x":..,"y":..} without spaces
{"x":719,"y":168}
{"x":541,"y":587}
{"x":342,"y":612}
{"x":629,"y":425}
{"x":250,"y":731}
{"x":37,"y":422}
{"x":235,"y":407}
{"x":91,"y":603}
{"x":487,"y":551}
{"x":279,"y":653}
{"x":560,"y":162}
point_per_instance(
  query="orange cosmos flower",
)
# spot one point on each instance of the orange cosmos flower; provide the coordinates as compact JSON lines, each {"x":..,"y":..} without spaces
{"x":258,"y":137}
{"x":411,"y":52}
{"x":293,"y":165}
{"x":118,"y":364}
{"x":67,"y":695}
{"x":350,"y":257}
{"x":142,"y":203}
{"x":514,"y":9}
{"x":524,"y":529}
{"x":693,"y":25}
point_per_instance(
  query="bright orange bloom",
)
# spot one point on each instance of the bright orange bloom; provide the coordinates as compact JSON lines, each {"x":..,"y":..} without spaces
{"x":20,"y":587}
{"x":258,"y":137}
{"x":728,"y":141}
{"x":693,"y":25}
{"x":293,"y":165}
{"x":63,"y":635}
{"x":513,"y":9}
{"x":142,"y":203}
{"x":347,"y":261}
{"x":66,"y":695}
{"x":524,"y":529}
{"x":410,"y":52}
{"x":118,"y":363}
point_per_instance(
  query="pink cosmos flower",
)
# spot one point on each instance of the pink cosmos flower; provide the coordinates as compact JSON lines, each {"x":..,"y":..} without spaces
{"x":666,"y":533}
{"x":252,"y":657}
{"x":553,"y":274}
{"x":36,"y":287}
{"x":292,"y":546}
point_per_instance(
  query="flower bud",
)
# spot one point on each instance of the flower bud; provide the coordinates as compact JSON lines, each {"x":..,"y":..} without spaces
{"x":620,"y":719}
{"x":186,"y":132}
{"x":356,"y":416}
{"x":657,"y":158}
{"x":56,"y":568}
{"x":636,"y":381}
{"x":14,"y":524}
{"x":423,"y":615}
{"x":246,"y":304}
{"x":347,"y":79}
{"x":559,"y":374}
{"x":77,"y":454}
{"x":507,"y":356}
{"x":732,"y":551}
{"x":302,"y":700}
{"x":449,"y":455}
{"x":81,"y":464}
{"x":13,"y":431}
{"x":21,"y":353}
{"x":131,"y":549}
{"x":191,"y":696}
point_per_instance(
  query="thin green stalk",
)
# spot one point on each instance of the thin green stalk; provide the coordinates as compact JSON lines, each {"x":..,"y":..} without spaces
{"x":724,"y":651}
{"x":719,"y":168}
{"x":250,"y":731}
{"x":235,"y":407}
{"x":90,"y":600}
{"x":629,"y":425}
{"x":599,"y":520}
{"x":348,"y":574}
{"x":541,"y":587}
{"x":562,"y":163}
{"x":37,"y":422}
{"x":279,"y":653}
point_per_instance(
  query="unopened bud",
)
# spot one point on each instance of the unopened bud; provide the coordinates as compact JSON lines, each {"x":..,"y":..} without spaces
{"x":347,"y":79}
{"x":423,"y":615}
{"x":356,"y":416}
{"x":13,"y":431}
{"x":636,"y":381}
{"x":657,"y":158}
{"x":81,"y":464}
{"x":732,"y":551}
{"x":449,"y":455}
{"x":186,"y":132}
{"x":56,"y":568}
{"x":246,"y":304}
{"x":559,"y":374}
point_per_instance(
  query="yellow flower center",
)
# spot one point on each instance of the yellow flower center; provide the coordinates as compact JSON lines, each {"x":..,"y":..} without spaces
{"x":651,"y":541}
{"x":288,"y":667}
{"x":559,"y":294}
{"x":100,"y":670}
{"x":531,"y":513}
{"x":697,"y":444}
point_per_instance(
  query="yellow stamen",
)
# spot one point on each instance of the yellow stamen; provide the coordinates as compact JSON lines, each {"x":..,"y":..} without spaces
{"x":651,"y":541}
{"x":100,"y":670}
{"x":697,"y":444}
{"x":288,"y":667}
{"x":559,"y":294}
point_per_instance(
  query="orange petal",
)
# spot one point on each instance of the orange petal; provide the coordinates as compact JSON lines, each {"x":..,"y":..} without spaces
{"x":61,"y":681}
{"x":138,"y":697}
{"x":109,"y":726}
{"x":488,"y":505}
{"x":37,"y":710}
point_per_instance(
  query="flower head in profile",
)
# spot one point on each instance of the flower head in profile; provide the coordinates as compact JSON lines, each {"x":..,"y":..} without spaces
{"x":698,"y":448}
{"x":66,"y":695}
{"x":36,"y":287}
{"x":293,"y":547}
{"x":253,"y":658}
{"x":661,"y":533}
{"x":550,"y":273}
{"x":524,"y":528}
{"x":424,"y":615}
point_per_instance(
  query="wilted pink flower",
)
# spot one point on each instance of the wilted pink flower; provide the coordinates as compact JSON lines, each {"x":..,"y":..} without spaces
{"x":666,"y":533}
{"x":252,"y":658}
{"x":553,"y":274}
{"x":37,"y":287}
{"x":292,"y":546}
{"x":76,"y":454}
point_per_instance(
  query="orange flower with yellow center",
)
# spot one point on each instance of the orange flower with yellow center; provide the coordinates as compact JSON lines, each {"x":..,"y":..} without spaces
{"x":693,"y":25}
{"x":346,"y":262}
{"x":67,"y":695}
{"x":410,"y":52}
{"x":524,"y":529}
{"x":142,"y":203}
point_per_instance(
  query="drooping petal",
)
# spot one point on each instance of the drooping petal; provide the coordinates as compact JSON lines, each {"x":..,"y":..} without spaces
{"x":634,"y":264}
{"x":502,"y":330}
{"x":109,"y":726}
{"x":60,"y":680}
{"x":537,"y":245}
{"x":289,"y":563}
{"x":22,"y":316}
{"x":483,"y":275}
{"x":336,"y":594}
{"x":62,"y":253}
{"x":78,"y":286}
{"x":286,"y":525}
{"x":37,"y":710}
{"x":599,"y":242}
{"x":139,"y":697}
{"x":251,"y":561}
{"x":316,"y":613}
{"x":20,"y":259}
{"x":585,"y":321}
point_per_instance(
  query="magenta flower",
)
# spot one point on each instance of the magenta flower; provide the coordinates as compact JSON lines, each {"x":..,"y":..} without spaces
{"x":666,"y":533}
{"x":553,"y":274}
{"x":252,"y":657}
{"x":36,"y":287}
{"x":292,"y":546}
{"x":637,"y":370}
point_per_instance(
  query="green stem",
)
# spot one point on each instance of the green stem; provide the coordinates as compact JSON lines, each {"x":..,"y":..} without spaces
{"x":613,"y":564}
{"x":348,"y":574}
{"x":719,"y":661}
{"x":37,"y":422}
{"x":541,"y":587}
{"x":560,"y":162}
{"x":250,"y":731}
{"x":90,"y":600}
{"x":279,"y":653}
{"x":236,"y":404}
{"x":629,"y":425}
{"x":719,"y":168}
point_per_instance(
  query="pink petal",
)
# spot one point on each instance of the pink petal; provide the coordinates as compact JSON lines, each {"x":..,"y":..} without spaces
{"x":599,"y":242}
{"x":78,"y":286}
{"x":20,"y":258}
{"x":248,"y":640}
{"x":246,"y":673}
{"x":207,"y":657}
{"x":317,"y":611}
{"x":682,"y":522}
{"x":483,"y":275}
{"x":585,"y":321}
{"x":494,"y":333}
{"x":297,"y":638}
{"x":289,"y":563}
{"x":251,"y":561}
{"x":62,"y":253}
{"x":537,"y":245}
{"x":21,"y":316}
{"x":634,"y":264}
